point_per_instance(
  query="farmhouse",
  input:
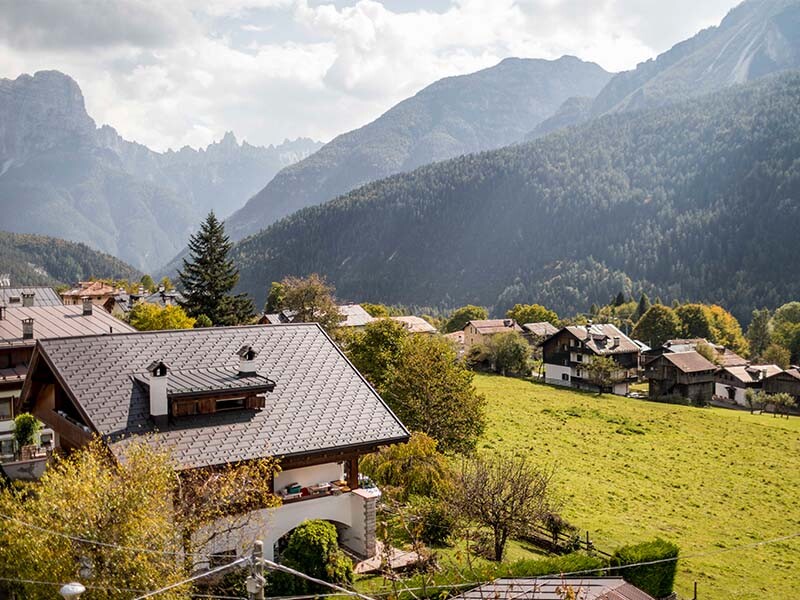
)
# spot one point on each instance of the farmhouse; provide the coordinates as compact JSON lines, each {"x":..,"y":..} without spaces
{"x":686,"y":374}
{"x":568,"y":353}
{"x":732,"y":383}
{"x":20,"y":327}
{"x":353,"y":315}
{"x":223,"y":395}
{"x":784,"y":382}
{"x":121,"y":304}
{"x":479,"y":331}
{"x":723,"y":356}
{"x":415,"y":325}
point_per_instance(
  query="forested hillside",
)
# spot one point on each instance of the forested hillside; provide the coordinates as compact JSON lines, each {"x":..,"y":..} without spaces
{"x":456,"y":115}
{"x":41,"y":260}
{"x":695,"y":200}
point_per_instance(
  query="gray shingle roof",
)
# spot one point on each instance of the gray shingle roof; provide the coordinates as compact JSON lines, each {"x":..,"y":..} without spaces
{"x":599,"y":338}
{"x":541,"y":329}
{"x":587,"y":588}
{"x":57,"y":321}
{"x":690,"y":362}
{"x":190,"y":381}
{"x":320,"y":401}
{"x":42,"y":296}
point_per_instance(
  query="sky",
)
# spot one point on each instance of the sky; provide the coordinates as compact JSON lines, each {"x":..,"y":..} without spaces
{"x":169,"y":73}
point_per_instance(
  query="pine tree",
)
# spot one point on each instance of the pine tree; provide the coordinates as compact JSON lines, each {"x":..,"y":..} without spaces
{"x":620,"y":299}
{"x":642,"y":307}
{"x":209,"y":276}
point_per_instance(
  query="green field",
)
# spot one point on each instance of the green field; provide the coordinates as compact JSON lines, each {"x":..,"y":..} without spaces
{"x":629,"y":470}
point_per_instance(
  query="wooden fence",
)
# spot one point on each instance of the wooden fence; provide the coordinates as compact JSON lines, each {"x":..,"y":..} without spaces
{"x":561,"y":543}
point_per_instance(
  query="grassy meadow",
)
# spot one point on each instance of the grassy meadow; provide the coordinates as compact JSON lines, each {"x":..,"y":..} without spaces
{"x":629,"y":470}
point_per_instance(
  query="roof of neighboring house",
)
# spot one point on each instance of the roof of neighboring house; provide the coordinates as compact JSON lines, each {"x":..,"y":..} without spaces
{"x":690,"y":362}
{"x":489,"y":326}
{"x":354,"y":315}
{"x":271,"y":319}
{"x":793,"y":372}
{"x":542,"y":329}
{"x":725,"y":357}
{"x":42,"y":296}
{"x":13,"y":374}
{"x":320,"y":402}
{"x":456,"y":336}
{"x":642,"y":346}
{"x":599,"y":338}
{"x":415,"y":324}
{"x":57,"y":321}
{"x":752,"y":373}
{"x":91,"y":288}
{"x":554,"y":588}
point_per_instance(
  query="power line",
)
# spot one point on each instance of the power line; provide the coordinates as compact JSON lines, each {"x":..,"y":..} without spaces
{"x":238,"y":561}
{"x":277,"y":567}
{"x":58,"y":584}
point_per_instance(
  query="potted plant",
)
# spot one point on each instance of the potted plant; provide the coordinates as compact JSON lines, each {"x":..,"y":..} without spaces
{"x":26,"y":431}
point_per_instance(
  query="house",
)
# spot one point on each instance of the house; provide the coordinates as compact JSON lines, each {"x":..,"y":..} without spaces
{"x":556,"y":588}
{"x":415,"y":325}
{"x":723,"y":356}
{"x":732,"y":383}
{"x":567,"y":353}
{"x":29,"y":296}
{"x":20,"y":327}
{"x":479,"y":331}
{"x":121,"y":304}
{"x":98,"y":292}
{"x":223,"y":395}
{"x":353,"y":315}
{"x":787,"y":381}
{"x":457,"y":339}
{"x":686,"y":374}
{"x":540,"y":331}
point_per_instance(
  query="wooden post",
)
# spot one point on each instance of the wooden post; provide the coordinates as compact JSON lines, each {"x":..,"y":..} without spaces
{"x":352,"y":473}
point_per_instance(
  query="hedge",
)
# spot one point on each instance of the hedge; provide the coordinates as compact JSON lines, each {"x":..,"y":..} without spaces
{"x":657,"y":580}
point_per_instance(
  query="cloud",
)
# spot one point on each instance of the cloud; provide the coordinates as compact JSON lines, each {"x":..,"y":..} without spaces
{"x":181,"y":72}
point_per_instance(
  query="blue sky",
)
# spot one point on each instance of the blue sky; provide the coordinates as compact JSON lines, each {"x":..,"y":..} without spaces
{"x":169,"y":73}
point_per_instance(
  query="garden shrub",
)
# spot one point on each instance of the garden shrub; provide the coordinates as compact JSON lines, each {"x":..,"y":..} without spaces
{"x":435,"y":520}
{"x":314,"y":550}
{"x":26,"y":427}
{"x":656,"y":580}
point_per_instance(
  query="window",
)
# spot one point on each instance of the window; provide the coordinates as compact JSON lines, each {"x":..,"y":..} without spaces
{"x":5,"y":409}
{"x":565,"y":377}
{"x":7,"y":447}
{"x":579,"y":357}
{"x":232,"y":404}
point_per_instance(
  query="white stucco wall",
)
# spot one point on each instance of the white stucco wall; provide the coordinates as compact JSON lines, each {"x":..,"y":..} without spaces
{"x":620,"y":389}
{"x":553,"y":373}
{"x":721,"y":389}
{"x":309,"y":475}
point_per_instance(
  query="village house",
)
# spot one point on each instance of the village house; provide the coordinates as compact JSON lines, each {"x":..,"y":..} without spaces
{"x":686,"y":374}
{"x":120,"y":305}
{"x":20,"y":327}
{"x":98,"y":292}
{"x":723,"y":357}
{"x":479,"y":331}
{"x":13,"y":297}
{"x":353,"y":315}
{"x":732,"y":383}
{"x":457,"y":339}
{"x":568,"y":353}
{"x":787,"y":381}
{"x":415,"y":325}
{"x":556,"y":588}
{"x":223,"y":395}
{"x":536,"y":333}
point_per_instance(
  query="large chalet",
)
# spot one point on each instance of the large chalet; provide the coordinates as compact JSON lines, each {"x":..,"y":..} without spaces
{"x":224,"y":395}
{"x":568,"y":353}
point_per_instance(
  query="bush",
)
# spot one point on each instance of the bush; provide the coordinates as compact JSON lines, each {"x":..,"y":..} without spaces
{"x":656,"y":580}
{"x":26,"y":427}
{"x":436,"y":522}
{"x":568,"y":563}
{"x":313,"y":549}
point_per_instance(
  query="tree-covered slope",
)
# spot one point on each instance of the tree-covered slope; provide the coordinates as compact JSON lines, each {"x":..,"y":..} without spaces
{"x":41,"y":260}
{"x":456,"y":115}
{"x":699,"y":199}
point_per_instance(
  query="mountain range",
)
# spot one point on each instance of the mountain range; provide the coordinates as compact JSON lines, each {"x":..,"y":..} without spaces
{"x":453,"y":116}
{"x":60,"y":175}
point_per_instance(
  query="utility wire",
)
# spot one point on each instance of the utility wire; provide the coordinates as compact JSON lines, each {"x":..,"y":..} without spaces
{"x":238,"y":561}
{"x":277,"y":567}
{"x":59,"y":584}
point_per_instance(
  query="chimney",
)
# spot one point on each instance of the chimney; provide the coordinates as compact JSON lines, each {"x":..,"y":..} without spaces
{"x":247,"y":361}
{"x":159,"y":407}
{"x":87,"y":306}
{"x":616,"y":341}
{"x":2,"y":312}
{"x":508,"y":322}
{"x":27,"y":299}
{"x":27,"y":329}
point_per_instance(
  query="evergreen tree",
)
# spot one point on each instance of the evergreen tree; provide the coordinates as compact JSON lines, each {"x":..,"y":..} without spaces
{"x":642,"y":307}
{"x":620,"y":299}
{"x":209,"y":276}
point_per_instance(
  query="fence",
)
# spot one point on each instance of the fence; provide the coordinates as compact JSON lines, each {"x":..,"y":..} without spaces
{"x":562,"y":542}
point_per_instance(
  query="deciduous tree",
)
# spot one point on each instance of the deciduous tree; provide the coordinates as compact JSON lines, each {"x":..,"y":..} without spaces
{"x":376,"y":349}
{"x":506,"y":493}
{"x":532,"y":313}
{"x":311,"y":300}
{"x":145,"y":316}
{"x":758,"y":333}
{"x":462,"y":316}
{"x":657,"y":325}
{"x":510,"y":353}
{"x":776,"y":354}
{"x":602,"y":372}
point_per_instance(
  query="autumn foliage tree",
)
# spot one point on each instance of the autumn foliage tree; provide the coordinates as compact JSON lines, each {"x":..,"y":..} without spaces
{"x":145,"y":316}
